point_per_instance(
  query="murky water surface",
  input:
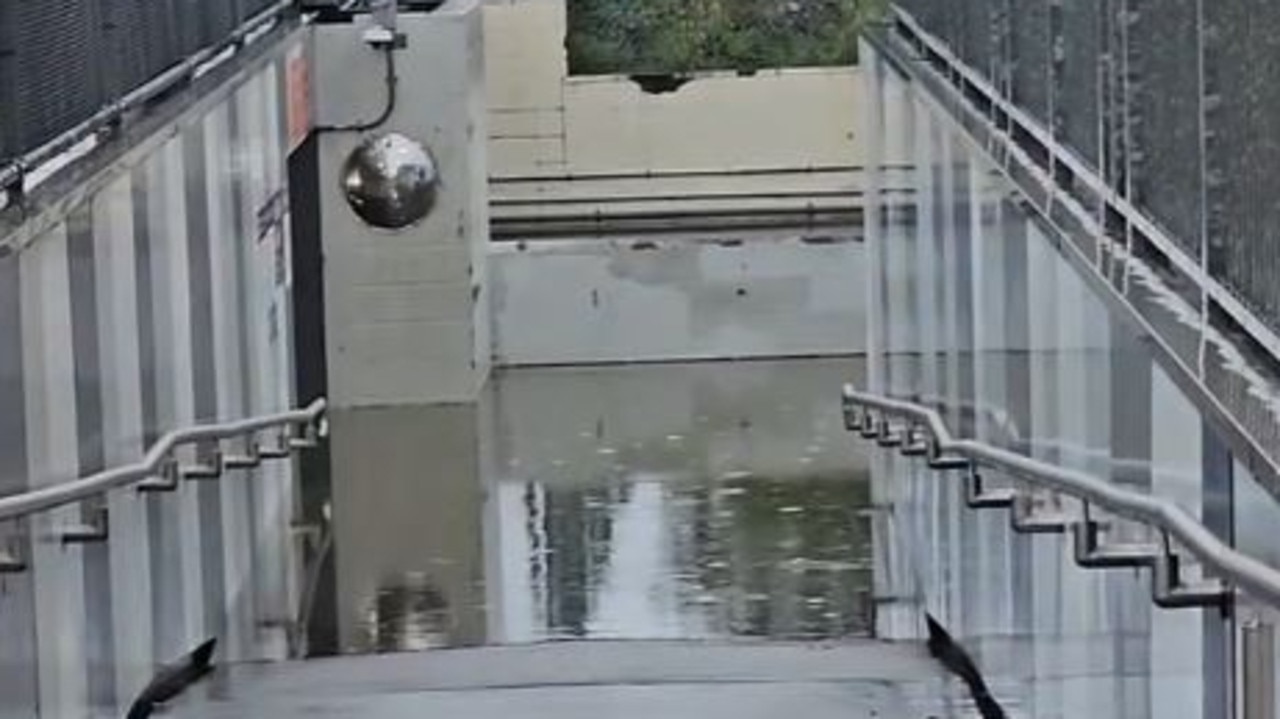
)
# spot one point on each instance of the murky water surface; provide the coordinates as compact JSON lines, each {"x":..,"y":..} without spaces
{"x":678,"y":501}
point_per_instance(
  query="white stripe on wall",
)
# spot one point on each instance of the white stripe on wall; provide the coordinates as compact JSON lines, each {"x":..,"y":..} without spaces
{"x":235,"y":486}
{"x":114,"y":259}
{"x":52,"y":457}
{"x":1046,"y":551}
{"x":1177,"y":638}
{"x":175,"y":399}
{"x":928,"y":326}
{"x":260,"y":131}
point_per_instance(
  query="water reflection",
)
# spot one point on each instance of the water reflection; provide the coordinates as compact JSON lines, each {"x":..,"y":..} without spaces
{"x":676,"y":559}
{"x":408,"y":563}
{"x":407,"y":614}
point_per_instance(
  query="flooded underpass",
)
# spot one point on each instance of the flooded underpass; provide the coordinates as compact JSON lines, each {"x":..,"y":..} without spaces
{"x":725,"y":502}
{"x":709,"y":500}
{"x":379,"y":360}
{"x":689,"y":539}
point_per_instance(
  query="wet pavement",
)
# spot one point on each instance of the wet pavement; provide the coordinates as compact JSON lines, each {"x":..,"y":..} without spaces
{"x":752,"y":680}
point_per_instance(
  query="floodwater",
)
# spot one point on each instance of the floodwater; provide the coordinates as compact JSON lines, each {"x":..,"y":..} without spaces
{"x":646,"y":502}
{"x":727,"y":501}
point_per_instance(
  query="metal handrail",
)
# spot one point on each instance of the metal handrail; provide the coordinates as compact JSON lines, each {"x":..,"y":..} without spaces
{"x":39,"y":500}
{"x":1227,"y":563}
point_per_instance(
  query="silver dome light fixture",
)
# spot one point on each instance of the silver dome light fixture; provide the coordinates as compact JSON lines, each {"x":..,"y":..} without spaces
{"x":390,"y":181}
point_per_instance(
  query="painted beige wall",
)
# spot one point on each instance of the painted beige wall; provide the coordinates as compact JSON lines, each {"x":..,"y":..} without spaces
{"x":543,"y":122}
{"x":525,"y":68}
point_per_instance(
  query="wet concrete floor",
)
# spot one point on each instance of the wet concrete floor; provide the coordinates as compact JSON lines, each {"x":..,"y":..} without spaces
{"x":675,"y":680}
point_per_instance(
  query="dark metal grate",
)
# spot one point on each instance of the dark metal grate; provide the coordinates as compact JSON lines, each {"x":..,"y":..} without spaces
{"x":980,"y":43}
{"x":1242,"y":72}
{"x":62,"y":60}
{"x":1114,"y":94}
{"x":51,"y":52}
{"x":1164,"y":63}
{"x":1076,"y":90}
{"x":140,"y":42}
{"x":933,"y":17}
{"x":1030,"y":54}
{"x":1175,"y":102}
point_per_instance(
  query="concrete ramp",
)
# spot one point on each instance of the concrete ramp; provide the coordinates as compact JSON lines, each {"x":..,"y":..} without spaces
{"x":591,"y":680}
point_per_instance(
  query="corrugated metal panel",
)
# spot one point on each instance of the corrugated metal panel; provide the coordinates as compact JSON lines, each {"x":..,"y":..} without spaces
{"x":1076,"y":89}
{"x":1165,"y":95}
{"x":1031,"y":52}
{"x":1242,"y":66}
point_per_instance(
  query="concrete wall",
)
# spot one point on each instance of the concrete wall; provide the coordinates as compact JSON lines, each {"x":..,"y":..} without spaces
{"x":562,"y":146}
{"x":406,"y":312}
{"x":150,"y":296}
{"x":544,"y":123}
{"x":592,"y":301}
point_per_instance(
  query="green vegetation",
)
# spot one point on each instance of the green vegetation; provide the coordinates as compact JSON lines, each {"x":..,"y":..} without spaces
{"x":681,"y":36}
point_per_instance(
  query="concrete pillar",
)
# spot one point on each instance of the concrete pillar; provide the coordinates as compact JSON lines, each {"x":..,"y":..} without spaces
{"x":407,"y":341}
{"x":406,"y":312}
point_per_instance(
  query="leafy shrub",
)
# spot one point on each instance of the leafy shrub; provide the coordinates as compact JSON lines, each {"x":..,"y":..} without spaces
{"x":681,"y":36}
